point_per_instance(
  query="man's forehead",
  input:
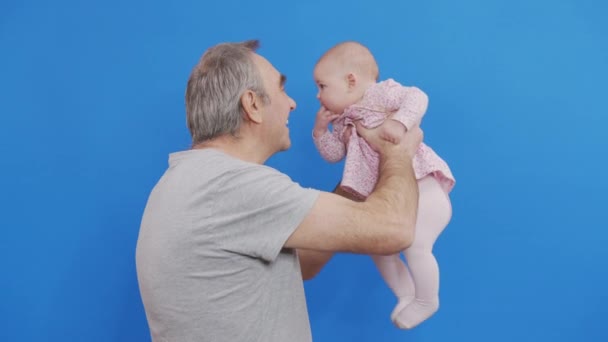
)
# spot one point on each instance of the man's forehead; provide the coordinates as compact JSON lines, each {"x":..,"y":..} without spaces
{"x":264,"y":66}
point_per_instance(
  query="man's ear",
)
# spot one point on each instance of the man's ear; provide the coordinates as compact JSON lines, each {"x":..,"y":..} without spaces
{"x":352,"y":80}
{"x":251,"y":105}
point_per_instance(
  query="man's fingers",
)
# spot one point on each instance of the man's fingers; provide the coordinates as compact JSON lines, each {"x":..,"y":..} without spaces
{"x":417,"y":133}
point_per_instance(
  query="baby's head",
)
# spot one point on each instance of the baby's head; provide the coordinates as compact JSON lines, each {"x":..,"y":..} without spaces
{"x":343,"y":74}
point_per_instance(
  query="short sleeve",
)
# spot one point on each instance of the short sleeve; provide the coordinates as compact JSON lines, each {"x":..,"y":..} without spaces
{"x":256,"y":211}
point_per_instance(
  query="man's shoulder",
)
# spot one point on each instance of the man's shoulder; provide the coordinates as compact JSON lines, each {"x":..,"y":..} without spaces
{"x":211,"y":159}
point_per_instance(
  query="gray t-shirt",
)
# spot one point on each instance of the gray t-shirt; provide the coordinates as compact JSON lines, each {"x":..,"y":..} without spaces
{"x":210,"y":259}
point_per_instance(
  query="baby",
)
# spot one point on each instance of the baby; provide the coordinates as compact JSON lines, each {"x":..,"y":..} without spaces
{"x":349,"y":91}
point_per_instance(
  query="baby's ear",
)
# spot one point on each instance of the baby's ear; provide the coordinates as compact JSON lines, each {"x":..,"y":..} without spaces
{"x":352,"y":80}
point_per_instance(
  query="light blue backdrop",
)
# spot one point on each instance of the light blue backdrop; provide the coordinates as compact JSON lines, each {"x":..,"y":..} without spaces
{"x":91,"y":103}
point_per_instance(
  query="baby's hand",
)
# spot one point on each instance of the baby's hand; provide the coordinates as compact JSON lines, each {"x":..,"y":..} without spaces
{"x":324,"y":117}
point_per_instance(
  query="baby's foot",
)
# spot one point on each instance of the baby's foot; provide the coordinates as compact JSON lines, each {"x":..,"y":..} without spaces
{"x":415,"y":313}
{"x":403,"y":302}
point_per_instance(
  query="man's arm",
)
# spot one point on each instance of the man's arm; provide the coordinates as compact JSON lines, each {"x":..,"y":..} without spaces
{"x":312,"y":261}
{"x":384,"y":222}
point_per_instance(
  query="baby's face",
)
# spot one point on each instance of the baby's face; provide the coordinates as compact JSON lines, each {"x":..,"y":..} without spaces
{"x":333,"y":90}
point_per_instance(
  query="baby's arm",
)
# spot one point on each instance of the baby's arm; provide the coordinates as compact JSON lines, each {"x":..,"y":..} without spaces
{"x":328,"y":143}
{"x":410,"y":104}
{"x":330,"y":147}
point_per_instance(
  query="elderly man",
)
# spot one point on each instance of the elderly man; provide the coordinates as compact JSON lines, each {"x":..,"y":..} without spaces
{"x":225,"y":241}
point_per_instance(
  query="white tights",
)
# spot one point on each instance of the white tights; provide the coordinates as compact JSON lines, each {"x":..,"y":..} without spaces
{"x":417,"y":284}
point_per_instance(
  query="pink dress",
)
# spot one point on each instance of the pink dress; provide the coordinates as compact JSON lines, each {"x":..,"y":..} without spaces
{"x":384,"y":99}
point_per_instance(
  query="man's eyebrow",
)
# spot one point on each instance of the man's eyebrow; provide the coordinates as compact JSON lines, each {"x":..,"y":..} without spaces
{"x":283,"y":80}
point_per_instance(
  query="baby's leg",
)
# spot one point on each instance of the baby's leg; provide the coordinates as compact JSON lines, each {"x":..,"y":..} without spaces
{"x":397,"y":277}
{"x":434,"y":213}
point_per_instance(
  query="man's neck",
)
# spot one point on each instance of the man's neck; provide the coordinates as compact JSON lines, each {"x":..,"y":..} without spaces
{"x":240,"y":148}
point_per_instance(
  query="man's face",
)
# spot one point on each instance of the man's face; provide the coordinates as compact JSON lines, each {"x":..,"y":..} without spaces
{"x":276,"y":111}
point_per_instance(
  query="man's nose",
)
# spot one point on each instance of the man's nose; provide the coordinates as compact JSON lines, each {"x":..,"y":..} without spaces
{"x":292,"y":103}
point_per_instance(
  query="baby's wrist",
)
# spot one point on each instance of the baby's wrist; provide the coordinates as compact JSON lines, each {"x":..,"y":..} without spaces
{"x":318,"y":132}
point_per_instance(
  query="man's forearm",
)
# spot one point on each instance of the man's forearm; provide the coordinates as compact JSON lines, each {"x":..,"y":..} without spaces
{"x":396,"y":193}
{"x":311,"y":262}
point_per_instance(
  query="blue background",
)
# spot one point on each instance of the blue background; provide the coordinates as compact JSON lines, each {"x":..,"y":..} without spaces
{"x":91,"y":104}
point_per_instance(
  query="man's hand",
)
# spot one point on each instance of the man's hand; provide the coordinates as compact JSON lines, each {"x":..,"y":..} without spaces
{"x":324,"y":117}
{"x":390,"y":135}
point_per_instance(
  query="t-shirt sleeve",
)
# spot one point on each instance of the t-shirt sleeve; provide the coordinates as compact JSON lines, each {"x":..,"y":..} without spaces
{"x":258,"y":208}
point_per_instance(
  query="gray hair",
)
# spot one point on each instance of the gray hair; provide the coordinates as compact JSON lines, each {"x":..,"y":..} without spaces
{"x":215,"y":87}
